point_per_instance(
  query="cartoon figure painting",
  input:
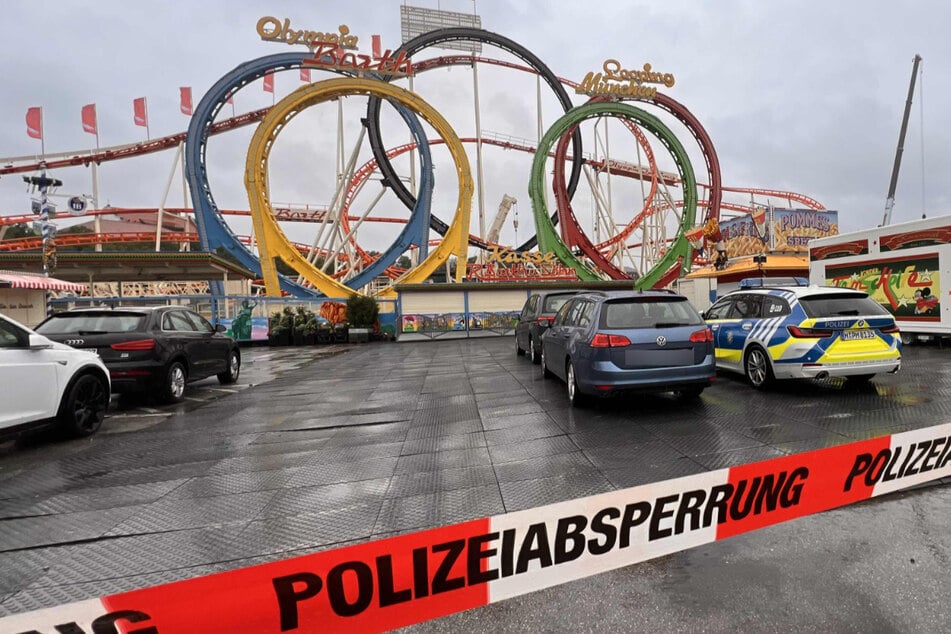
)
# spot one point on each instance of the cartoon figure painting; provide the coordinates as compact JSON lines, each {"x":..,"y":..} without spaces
{"x":925,"y":302}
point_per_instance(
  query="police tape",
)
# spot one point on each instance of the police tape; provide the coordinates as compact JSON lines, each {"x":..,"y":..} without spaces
{"x":416,"y":577}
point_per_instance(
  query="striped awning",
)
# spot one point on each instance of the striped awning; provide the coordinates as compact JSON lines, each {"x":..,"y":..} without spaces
{"x":26,"y":280}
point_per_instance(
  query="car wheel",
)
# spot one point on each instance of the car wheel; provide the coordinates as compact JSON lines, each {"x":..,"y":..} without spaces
{"x":532,"y":353}
{"x":759,"y":372}
{"x":175,"y":378}
{"x":234,"y":369}
{"x":689,"y":393}
{"x":518,"y":348}
{"x":908,"y":339}
{"x":575,"y":397}
{"x":545,"y":371}
{"x":84,"y":407}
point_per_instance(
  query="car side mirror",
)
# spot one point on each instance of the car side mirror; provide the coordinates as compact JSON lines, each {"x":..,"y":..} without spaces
{"x":39,"y":342}
{"x":221,"y":328}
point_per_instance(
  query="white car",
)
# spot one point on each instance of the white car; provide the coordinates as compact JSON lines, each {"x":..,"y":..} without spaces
{"x":48,"y":383}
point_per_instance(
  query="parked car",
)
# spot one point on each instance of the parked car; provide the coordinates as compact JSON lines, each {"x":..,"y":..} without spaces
{"x":149,"y":350}
{"x":536,"y":316}
{"x":616,"y":342}
{"x":802,"y":332}
{"x":48,"y":383}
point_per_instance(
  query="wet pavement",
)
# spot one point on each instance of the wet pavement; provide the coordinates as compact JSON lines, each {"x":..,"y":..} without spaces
{"x":319,"y":447}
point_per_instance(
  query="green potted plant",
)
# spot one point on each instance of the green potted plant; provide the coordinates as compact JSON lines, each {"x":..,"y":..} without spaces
{"x":309,"y":330}
{"x":300,"y":317}
{"x":287,"y":324}
{"x":278,"y":333}
{"x":325,"y":333}
{"x":362,"y":313}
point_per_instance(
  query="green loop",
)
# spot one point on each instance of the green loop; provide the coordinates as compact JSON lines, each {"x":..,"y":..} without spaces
{"x":548,"y":239}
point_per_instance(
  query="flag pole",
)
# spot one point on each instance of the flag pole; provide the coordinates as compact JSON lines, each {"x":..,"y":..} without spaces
{"x":97,"y":221}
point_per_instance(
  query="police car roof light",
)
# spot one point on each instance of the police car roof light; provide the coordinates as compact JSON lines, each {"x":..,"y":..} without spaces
{"x":759,"y":282}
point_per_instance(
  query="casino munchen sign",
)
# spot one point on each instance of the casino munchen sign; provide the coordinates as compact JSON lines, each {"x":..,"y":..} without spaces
{"x":615,"y":81}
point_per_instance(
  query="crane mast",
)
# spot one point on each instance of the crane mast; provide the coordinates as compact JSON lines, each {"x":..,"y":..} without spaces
{"x":890,"y":199}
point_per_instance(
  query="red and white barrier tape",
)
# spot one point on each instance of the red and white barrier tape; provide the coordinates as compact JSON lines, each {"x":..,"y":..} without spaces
{"x":416,"y":577}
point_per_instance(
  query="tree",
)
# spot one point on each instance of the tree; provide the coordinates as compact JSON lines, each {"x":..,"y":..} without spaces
{"x":362,"y":311}
{"x":23,"y":230}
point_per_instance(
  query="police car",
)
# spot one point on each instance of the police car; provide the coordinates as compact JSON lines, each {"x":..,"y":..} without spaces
{"x":803,"y":332}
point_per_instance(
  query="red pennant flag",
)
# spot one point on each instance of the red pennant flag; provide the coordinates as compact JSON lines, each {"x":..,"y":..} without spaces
{"x":140,"y":112}
{"x":90,"y":122}
{"x":186,"y":100}
{"x":34,"y":123}
{"x":305,"y":74}
{"x":377,"y":47}
{"x":231,"y":99}
{"x":269,"y":82}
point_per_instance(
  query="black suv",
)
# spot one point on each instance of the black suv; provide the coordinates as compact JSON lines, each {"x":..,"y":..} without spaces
{"x":152,"y":350}
{"x":536,"y":316}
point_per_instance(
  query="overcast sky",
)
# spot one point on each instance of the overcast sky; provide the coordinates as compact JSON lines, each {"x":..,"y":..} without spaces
{"x":796,"y":95}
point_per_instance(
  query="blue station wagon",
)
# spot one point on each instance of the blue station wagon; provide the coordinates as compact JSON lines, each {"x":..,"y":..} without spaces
{"x":609,"y":343}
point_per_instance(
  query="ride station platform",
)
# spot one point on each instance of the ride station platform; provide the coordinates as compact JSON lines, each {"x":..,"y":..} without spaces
{"x":317,"y":449}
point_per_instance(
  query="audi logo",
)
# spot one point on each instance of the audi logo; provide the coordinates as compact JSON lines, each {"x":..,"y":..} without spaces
{"x":662,"y":340}
{"x":74,"y":342}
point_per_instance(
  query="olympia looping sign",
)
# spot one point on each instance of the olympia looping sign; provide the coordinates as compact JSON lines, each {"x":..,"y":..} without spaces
{"x":398,"y":581}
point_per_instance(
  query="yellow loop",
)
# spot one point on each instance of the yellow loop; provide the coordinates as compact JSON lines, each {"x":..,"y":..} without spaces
{"x":271,"y":239}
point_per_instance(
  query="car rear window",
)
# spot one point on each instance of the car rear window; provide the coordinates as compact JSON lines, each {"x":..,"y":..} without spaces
{"x":649,"y":313}
{"x":554,"y":302}
{"x":840,"y":305}
{"x":92,"y":323}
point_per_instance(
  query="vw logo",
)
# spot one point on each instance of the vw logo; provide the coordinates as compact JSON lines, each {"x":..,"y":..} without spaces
{"x":662,"y":340}
{"x":74,"y":342}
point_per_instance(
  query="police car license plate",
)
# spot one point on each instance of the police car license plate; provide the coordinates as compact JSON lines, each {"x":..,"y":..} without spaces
{"x":852,"y":335}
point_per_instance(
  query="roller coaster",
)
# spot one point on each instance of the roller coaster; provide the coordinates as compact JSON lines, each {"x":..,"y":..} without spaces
{"x":338,"y":265}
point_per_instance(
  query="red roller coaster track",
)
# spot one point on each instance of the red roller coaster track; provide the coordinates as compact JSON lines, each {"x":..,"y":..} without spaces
{"x":68,"y":159}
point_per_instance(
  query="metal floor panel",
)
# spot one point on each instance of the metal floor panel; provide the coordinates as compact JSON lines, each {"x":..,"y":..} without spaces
{"x":514,"y":452}
{"x":646,"y":473}
{"x":526,"y":494}
{"x":443,"y":443}
{"x":320,"y":453}
{"x":439,"y":508}
{"x":423,"y":482}
{"x":522,"y":433}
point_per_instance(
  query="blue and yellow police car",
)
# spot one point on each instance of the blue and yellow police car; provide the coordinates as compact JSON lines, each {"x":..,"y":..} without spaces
{"x":803,"y":332}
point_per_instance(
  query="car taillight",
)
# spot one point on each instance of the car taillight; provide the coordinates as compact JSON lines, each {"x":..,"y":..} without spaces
{"x":138,"y":344}
{"x":809,"y":333}
{"x":891,"y":330}
{"x":702,"y":336}
{"x":544,"y":321}
{"x":604,"y":340}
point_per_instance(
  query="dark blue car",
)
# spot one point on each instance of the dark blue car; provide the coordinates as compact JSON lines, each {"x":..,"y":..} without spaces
{"x":609,"y":343}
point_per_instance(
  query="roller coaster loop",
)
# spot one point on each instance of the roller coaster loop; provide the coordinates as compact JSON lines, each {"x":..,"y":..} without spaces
{"x":461,"y":34}
{"x":679,"y":251}
{"x":273,"y":242}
